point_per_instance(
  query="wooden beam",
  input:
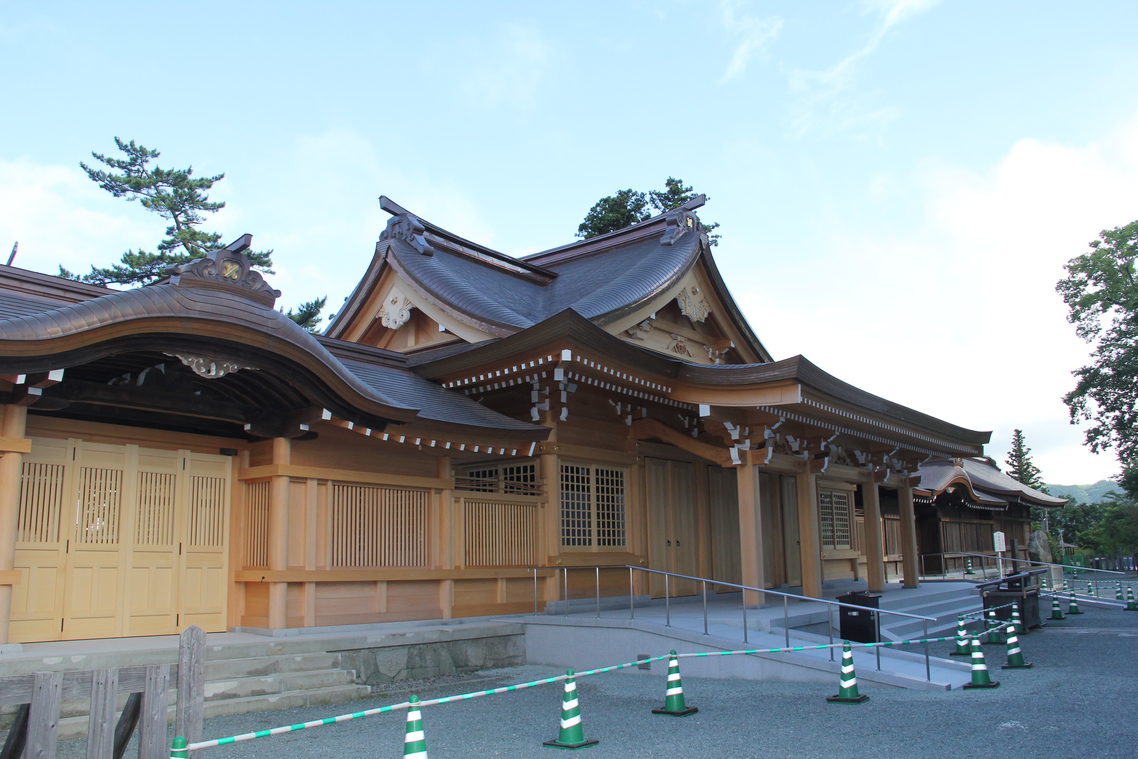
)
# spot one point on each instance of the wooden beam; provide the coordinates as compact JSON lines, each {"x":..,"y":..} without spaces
{"x":12,"y":427}
{"x":649,"y":428}
{"x":750,"y":531}
{"x":9,"y":576}
{"x":874,"y":549}
{"x":298,"y":472}
{"x":379,"y":575}
{"x":15,"y":445}
{"x":809,"y":537}
{"x":908,"y":537}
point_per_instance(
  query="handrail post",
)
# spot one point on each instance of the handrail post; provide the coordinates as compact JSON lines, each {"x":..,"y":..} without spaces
{"x":830,"y":627}
{"x":667,"y":603}
{"x":877,"y":649}
{"x":745,"y":619}
{"x":786,"y":619}
{"x":598,"y":592}
{"x":631,"y":596}
{"x":565,"y":585}
{"x":704,"y":585}
{"x":928,"y":664}
{"x":535,"y":591}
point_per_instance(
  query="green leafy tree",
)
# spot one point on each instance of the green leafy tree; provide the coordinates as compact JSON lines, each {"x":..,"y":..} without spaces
{"x":627,"y":207}
{"x":179,"y":197}
{"x":1101,"y":294}
{"x":1116,"y":531}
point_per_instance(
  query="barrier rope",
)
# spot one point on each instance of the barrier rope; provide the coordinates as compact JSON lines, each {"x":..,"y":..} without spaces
{"x":533,"y":683}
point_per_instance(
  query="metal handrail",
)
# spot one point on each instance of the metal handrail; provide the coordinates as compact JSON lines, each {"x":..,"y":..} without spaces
{"x":703,"y":590}
{"x":1000,"y":559}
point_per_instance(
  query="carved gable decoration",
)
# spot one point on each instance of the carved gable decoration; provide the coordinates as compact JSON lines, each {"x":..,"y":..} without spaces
{"x":395,"y":308}
{"x":692,"y":304}
{"x":210,"y":367}
{"x":404,"y":226}
{"x":227,"y":268}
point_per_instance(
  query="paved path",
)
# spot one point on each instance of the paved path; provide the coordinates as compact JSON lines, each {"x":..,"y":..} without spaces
{"x":1077,"y":701}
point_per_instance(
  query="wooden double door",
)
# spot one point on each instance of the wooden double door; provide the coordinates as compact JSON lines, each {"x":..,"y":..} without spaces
{"x":119,"y":540}
{"x":673,"y":533}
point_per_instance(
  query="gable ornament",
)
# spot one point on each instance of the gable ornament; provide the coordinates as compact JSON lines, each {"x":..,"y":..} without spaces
{"x":396,"y":311}
{"x":692,"y":305}
{"x":210,"y":367}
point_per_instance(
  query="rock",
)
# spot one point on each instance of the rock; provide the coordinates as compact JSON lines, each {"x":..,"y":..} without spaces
{"x":1039,"y":547}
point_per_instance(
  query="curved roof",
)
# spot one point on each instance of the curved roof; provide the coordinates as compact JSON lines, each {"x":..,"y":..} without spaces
{"x":603,"y":279}
{"x":984,"y":482}
{"x":222,"y":308}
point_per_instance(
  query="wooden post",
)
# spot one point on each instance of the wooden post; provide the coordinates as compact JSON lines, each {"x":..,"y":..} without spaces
{"x":750,"y":531}
{"x":908,"y":537}
{"x":191,"y":685}
{"x":17,"y":734}
{"x":11,"y":472}
{"x":101,"y":724}
{"x":809,"y":537}
{"x":152,"y":742}
{"x":278,"y":534}
{"x":43,"y":719}
{"x":874,"y":547}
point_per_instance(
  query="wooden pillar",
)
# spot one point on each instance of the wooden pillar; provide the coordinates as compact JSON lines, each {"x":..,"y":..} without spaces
{"x":551,"y":475}
{"x":448,"y":544}
{"x":750,"y":530}
{"x":874,"y":549}
{"x":11,"y":471}
{"x":809,"y":534}
{"x":278,"y":534}
{"x":909,"y":557}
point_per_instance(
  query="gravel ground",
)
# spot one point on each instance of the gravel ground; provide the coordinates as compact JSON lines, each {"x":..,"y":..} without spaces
{"x":1057,"y":709}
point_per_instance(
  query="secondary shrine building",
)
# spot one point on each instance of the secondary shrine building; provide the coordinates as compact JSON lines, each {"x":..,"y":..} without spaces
{"x":183,"y":453}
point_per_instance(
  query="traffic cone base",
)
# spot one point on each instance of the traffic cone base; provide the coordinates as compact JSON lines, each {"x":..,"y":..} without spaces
{"x":1014,"y":666}
{"x":843,"y":700}
{"x":992,"y":684}
{"x":681,"y":713}
{"x":583,"y":744}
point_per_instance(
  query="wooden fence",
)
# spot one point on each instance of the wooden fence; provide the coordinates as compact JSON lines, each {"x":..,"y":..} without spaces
{"x":38,"y":697}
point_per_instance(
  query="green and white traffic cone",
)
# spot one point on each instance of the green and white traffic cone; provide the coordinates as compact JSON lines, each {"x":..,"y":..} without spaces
{"x":1015,"y":656}
{"x":674,"y":695}
{"x":1073,"y":607}
{"x":1043,"y":584}
{"x":1118,"y":593}
{"x":847,"y":681}
{"x":572,"y":735}
{"x":980,"y":678}
{"x":1056,"y":611}
{"x":994,"y":628}
{"x":1130,"y":604}
{"x":962,"y":647}
{"x":1017,"y":620}
{"x":1091,"y":590}
{"x":414,"y":742}
{"x":178,"y":748}
{"x":968,"y":567}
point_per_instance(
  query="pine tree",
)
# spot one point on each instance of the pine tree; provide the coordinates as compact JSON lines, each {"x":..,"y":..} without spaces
{"x":627,"y":207}
{"x":1020,"y":466}
{"x":179,"y":197}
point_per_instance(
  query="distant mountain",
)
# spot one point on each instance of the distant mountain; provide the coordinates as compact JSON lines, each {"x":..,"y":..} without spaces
{"x":1085,"y":493}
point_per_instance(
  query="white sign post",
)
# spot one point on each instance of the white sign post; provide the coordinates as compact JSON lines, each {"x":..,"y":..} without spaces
{"x":1000,"y":545}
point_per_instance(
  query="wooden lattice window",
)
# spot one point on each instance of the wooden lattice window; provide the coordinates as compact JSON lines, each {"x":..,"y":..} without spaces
{"x":379,"y":527}
{"x":99,"y":506}
{"x":834,"y":507}
{"x":207,"y":511}
{"x":41,"y":500}
{"x":592,"y":506}
{"x":500,"y":534}
{"x":155,"y":523}
{"x":519,"y":478}
{"x":257,"y":524}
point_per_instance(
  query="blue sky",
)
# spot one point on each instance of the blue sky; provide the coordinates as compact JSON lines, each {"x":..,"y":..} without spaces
{"x":899,"y":182}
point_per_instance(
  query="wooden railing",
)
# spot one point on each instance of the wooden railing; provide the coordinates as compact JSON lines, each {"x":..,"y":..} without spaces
{"x":501,"y":533}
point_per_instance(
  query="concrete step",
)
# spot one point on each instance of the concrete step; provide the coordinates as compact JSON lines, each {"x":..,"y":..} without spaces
{"x":267,"y":685}
{"x":224,"y":669}
{"x":76,"y":726}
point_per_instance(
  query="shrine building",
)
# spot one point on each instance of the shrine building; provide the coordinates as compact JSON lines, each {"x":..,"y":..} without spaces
{"x":183,"y":453}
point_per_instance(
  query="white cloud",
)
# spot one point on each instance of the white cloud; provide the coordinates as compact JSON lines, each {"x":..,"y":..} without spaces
{"x":509,"y":68}
{"x":754,"y":33}
{"x":828,"y":100}
{"x":958,"y":316}
{"x":60,"y":217}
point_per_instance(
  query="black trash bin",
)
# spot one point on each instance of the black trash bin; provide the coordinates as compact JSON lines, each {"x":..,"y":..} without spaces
{"x":859,"y":625}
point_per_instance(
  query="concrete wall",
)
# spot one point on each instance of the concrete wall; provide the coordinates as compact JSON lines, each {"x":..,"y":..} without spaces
{"x":411,"y":658}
